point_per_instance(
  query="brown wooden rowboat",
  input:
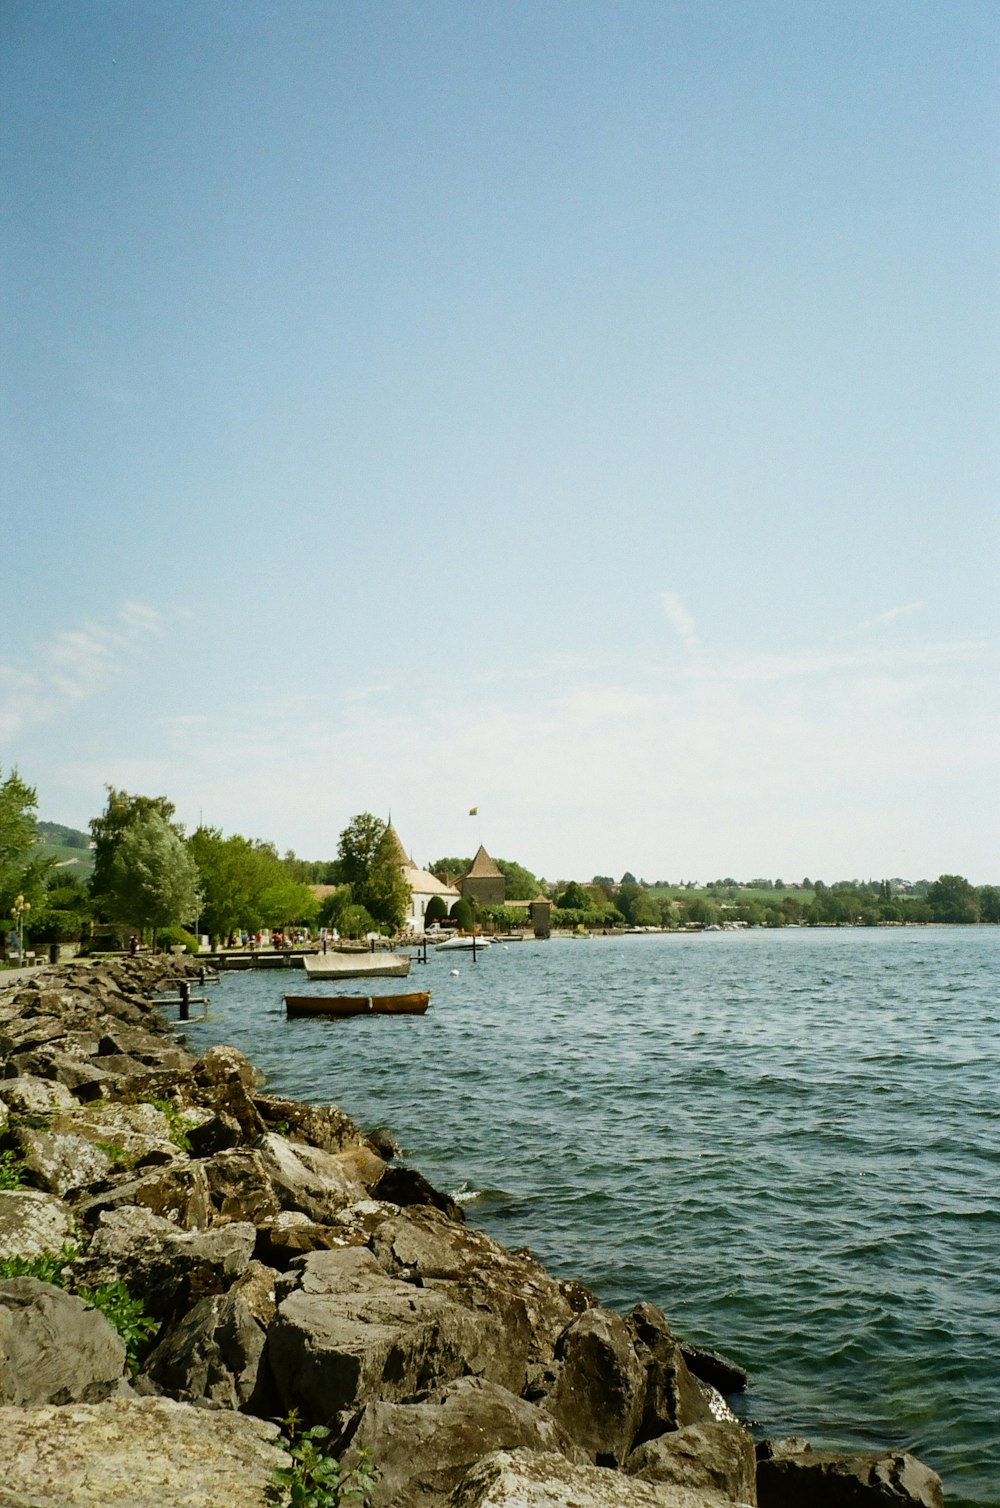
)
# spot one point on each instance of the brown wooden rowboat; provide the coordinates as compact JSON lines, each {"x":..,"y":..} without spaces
{"x":414,"y":1004}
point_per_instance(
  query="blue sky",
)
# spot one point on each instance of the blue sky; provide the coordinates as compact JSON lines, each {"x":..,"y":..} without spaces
{"x":588,"y":412}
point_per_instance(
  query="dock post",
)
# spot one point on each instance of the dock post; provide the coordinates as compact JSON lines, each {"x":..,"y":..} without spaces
{"x":184,"y":1013}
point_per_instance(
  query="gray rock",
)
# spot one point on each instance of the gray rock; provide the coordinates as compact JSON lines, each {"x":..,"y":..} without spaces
{"x":826,"y":1479}
{"x":179,"y":1192}
{"x":531,"y":1479}
{"x":306,"y":1179}
{"x":58,"y":1161}
{"x":289,"y":1235}
{"x":136,"y":1453}
{"x":712,"y":1455}
{"x":53,"y":1349}
{"x":711,"y":1366}
{"x":27,"y":1095}
{"x":346,"y":1334}
{"x":406,"y":1187}
{"x":420,"y":1451}
{"x":217,"y":1133}
{"x":385,"y":1142}
{"x":32,"y":1222}
{"x":533,"y":1309}
{"x":600,"y":1385}
{"x":212,"y":1356}
{"x":239,"y":1186}
{"x":673,"y":1398}
{"x":169,"y":1269}
{"x":322,"y":1126}
{"x":256,"y":1287}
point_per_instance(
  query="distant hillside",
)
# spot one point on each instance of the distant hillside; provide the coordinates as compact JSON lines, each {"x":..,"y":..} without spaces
{"x":68,"y":846}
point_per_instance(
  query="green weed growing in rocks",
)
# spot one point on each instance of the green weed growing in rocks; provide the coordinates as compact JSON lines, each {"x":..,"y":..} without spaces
{"x":179,"y":1124}
{"x":314,"y":1479}
{"x":47,"y":1266}
{"x":11,"y":1170}
{"x":126,"y":1315}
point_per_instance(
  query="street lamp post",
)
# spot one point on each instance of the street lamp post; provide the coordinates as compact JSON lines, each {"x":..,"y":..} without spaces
{"x":21,"y":906}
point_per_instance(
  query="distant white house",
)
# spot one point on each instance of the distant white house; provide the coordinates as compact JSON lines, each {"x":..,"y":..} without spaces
{"x":423,"y":885}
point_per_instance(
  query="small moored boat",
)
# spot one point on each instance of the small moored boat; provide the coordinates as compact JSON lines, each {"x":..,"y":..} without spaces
{"x":413,"y":1004}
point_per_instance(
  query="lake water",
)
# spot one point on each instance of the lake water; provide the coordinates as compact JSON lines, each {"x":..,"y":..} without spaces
{"x":788,"y":1140}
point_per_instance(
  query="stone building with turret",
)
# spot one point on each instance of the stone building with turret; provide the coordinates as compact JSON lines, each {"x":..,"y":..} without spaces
{"x":483,"y":882}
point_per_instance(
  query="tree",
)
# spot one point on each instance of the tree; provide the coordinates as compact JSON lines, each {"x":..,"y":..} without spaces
{"x":573,"y":898}
{"x":368,"y":861}
{"x":245,"y":884}
{"x":989,"y":903}
{"x":227,"y":874}
{"x":627,"y":898}
{"x":152,"y":880}
{"x":521,"y":883}
{"x":952,"y":899}
{"x":22,"y":871}
{"x":121,"y":813}
{"x":462,"y":913}
{"x":450,"y":869}
{"x":65,"y":912}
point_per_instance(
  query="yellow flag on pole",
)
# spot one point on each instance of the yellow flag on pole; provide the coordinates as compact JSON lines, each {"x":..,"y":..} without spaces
{"x":473,"y":811}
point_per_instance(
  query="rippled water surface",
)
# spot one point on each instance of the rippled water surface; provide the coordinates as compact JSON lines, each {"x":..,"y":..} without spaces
{"x":788,"y":1140}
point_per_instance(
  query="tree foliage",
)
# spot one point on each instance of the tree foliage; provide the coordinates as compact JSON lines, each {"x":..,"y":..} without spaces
{"x":245,"y":885}
{"x":952,"y":899}
{"x":108,"y":830}
{"x":521,"y":883}
{"x":368,"y":861}
{"x":22,"y":870}
{"x":152,"y":880}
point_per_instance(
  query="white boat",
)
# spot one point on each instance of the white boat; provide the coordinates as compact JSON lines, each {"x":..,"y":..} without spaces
{"x":357,"y":965}
{"x":467,"y":943}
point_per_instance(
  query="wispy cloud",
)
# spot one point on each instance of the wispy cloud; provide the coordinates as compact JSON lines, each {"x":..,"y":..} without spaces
{"x":72,"y":666}
{"x":681,"y":620}
{"x":866,"y":757}
{"x":906,"y":610}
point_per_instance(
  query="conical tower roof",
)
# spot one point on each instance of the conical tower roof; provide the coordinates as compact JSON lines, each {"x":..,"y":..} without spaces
{"x":402,"y":856}
{"x":482,"y":867}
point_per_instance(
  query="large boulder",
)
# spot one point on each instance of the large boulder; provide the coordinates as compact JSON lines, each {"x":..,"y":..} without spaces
{"x":715,"y":1456}
{"x":53,"y":1348}
{"x":309,"y":1180}
{"x":599,"y":1386}
{"x":420,"y":1451}
{"x":346,"y":1334}
{"x":423,"y":1246}
{"x":212,"y":1357}
{"x":532,"y":1479}
{"x":136,"y":1453}
{"x":32,"y":1222}
{"x":673,"y":1398}
{"x":28,"y":1096}
{"x":322,"y":1126}
{"x":791,"y":1473}
{"x":168,"y":1268}
{"x":712,"y":1367}
{"x":179,"y":1192}
{"x":86,"y":1144}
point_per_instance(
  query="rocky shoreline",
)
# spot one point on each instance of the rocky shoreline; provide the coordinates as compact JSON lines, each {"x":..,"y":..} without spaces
{"x":279,"y":1260}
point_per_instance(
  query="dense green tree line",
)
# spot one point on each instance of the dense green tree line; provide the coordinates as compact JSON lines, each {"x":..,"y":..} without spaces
{"x":148,"y":875}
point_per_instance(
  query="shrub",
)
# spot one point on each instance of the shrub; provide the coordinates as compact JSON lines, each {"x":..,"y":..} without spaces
{"x":462,"y":913}
{"x":176,"y":937}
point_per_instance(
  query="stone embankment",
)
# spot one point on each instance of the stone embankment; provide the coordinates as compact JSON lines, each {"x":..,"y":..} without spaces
{"x":289,"y":1264}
